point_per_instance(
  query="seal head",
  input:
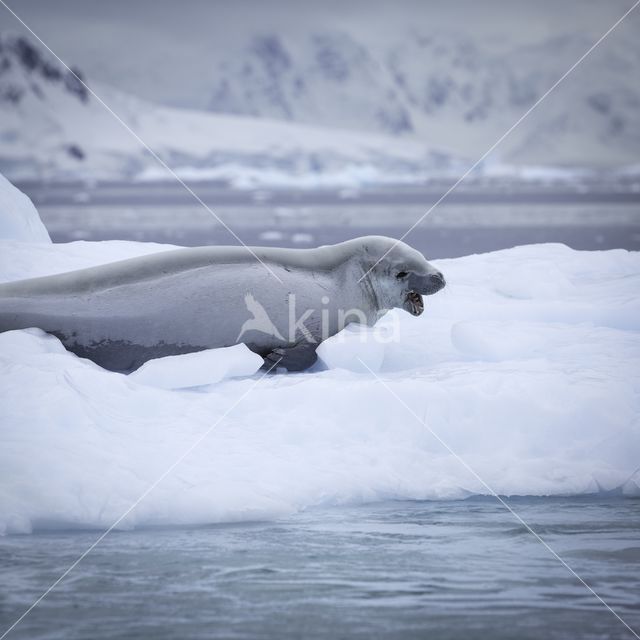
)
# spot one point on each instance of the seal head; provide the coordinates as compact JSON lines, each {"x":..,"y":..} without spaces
{"x":398,"y":275}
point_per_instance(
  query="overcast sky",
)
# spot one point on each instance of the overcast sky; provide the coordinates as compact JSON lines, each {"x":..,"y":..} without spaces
{"x":163,"y":49}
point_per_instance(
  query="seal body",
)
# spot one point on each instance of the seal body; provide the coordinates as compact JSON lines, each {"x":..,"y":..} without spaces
{"x":124,"y":313}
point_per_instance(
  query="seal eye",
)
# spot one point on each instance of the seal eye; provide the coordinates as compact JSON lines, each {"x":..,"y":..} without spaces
{"x":401,"y":274}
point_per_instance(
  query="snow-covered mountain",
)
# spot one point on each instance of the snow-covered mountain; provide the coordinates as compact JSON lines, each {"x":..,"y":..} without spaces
{"x":449,"y":89}
{"x":51,"y":127}
{"x":328,"y":78}
{"x":323,"y":108}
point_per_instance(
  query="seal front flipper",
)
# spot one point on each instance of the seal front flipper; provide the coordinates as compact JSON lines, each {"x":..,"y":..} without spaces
{"x":296,"y":358}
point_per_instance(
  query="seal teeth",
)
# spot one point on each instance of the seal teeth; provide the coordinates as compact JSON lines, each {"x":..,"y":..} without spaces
{"x":416,"y":303}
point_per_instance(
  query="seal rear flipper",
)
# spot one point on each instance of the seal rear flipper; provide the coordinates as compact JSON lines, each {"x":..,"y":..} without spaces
{"x":296,"y":358}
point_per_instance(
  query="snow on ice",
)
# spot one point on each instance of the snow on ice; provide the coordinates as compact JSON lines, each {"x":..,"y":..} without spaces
{"x":199,"y":368}
{"x":526,"y":365}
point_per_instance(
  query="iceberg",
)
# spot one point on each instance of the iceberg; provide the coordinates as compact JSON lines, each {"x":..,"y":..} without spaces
{"x":19,"y":219}
{"x":525,"y":366}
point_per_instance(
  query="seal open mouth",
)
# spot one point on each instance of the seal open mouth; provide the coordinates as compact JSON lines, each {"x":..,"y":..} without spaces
{"x":414,"y":303}
{"x":418,"y":286}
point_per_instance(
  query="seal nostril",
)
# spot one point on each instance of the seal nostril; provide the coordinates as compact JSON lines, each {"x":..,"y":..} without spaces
{"x":437,"y":280}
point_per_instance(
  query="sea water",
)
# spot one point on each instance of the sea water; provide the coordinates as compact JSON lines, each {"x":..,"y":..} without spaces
{"x":461,"y":569}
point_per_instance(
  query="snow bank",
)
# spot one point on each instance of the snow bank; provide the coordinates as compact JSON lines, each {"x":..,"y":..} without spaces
{"x":357,"y":347}
{"x":19,"y":219}
{"x":526,"y":365}
{"x":198,"y":369}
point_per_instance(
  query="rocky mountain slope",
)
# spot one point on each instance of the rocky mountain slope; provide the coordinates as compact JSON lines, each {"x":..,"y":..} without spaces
{"x":449,"y":89}
{"x":324,"y":109}
{"x":51,"y":127}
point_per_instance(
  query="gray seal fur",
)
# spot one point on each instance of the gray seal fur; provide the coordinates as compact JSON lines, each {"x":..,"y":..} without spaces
{"x":124,"y":313}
